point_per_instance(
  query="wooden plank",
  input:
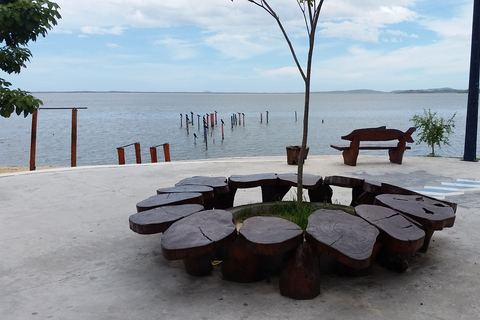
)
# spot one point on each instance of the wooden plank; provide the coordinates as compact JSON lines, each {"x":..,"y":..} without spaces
{"x":160,"y":219}
{"x":348,"y":239}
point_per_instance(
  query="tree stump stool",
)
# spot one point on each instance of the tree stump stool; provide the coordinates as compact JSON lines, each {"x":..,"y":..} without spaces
{"x":399,"y":237}
{"x":160,"y":219}
{"x":347,"y":182}
{"x":348,"y":239}
{"x":223,"y":196}
{"x":267,"y":181}
{"x":169,"y":199}
{"x":270,"y":237}
{"x":207,"y":193}
{"x":195,"y":237}
{"x":317,"y":191}
{"x":431,"y":214}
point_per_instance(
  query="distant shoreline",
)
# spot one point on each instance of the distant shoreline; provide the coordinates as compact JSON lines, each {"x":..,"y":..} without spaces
{"x":356,"y":91}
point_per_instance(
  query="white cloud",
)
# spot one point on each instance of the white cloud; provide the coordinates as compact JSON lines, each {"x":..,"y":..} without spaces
{"x":179,"y":49}
{"x":102,"y":31}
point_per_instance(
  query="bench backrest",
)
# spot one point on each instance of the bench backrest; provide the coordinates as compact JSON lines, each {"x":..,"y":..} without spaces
{"x":380,"y":134}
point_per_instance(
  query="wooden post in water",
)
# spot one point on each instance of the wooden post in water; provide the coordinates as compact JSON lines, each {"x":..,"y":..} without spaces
{"x":261,"y":118}
{"x":138,"y":155}
{"x":212,"y":122}
{"x":121,"y":155}
{"x":33,"y":142}
{"x":223,"y":136}
{"x":243,"y":114}
{"x":73,"y":156}
{"x":153,"y":154}
{"x":166,"y":151}
{"x":215,"y":117}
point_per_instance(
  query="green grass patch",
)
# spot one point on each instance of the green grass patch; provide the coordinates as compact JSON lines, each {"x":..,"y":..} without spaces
{"x":287,"y":210}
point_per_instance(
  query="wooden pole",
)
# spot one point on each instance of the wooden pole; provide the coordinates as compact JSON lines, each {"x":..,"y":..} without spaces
{"x":166,"y":151}
{"x":153,"y":154}
{"x":121,"y":155}
{"x":138,"y":156}
{"x":33,"y":142}
{"x":74,"y":138}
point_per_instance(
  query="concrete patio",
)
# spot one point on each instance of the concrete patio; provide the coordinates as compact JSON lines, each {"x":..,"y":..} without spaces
{"x":67,"y":251}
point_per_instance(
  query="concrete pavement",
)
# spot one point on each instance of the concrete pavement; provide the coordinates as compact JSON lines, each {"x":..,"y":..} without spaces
{"x":67,"y":252}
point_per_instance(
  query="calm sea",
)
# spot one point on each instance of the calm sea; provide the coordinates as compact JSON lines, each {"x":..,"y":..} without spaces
{"x":112,"y":120}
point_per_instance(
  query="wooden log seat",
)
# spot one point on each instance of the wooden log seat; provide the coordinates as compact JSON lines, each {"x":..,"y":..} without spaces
{"x":347,"y":182}
{"x":207,"y":193}
{"x":396,"y":232}
{"x":431,"y":214}
{"x":358,"y":136}
{"x":317,"y":191}
{"x":267,"y":182}
{"x":159,"y":219}
{"x":195,"y":237}
{"x":392,"y":189}
{"x":270,"y":235}
{"x":399,"y":236}
{"x":161,"y":200}
{"x":223,"y":196}
{"x":348,"y":239}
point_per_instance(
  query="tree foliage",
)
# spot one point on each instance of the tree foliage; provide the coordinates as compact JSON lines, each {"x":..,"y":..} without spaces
{"x":310,"y":10}
{"x":433,"y":130}
{"x":21,"y":21}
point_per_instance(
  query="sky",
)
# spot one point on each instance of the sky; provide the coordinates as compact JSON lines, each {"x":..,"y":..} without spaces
{"x":235,"y":46}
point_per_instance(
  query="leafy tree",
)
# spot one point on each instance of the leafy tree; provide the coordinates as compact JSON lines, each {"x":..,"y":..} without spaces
{"x":310,"y":10}
{"x":21,"y":21}
{"x":433,"y":130}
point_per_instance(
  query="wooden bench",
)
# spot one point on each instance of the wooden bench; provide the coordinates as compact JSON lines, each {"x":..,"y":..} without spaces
{"x":395,"y":151}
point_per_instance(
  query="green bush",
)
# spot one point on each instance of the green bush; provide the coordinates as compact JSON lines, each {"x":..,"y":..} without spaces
{"x":433,"y":130}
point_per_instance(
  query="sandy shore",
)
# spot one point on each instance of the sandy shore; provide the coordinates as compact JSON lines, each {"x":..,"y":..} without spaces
{"x":8,"y":169}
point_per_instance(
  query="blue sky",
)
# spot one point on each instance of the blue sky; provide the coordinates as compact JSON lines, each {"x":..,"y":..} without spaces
{"x":225,"y":46}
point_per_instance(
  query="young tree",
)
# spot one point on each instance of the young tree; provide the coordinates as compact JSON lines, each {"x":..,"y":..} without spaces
{"x":433,"y":130}
{"x":21,"y":21}
{"x":310,"y":10}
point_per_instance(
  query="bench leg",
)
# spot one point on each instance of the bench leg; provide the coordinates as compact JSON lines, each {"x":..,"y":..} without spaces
{"x":426,"y":242}
{"x":396,"y":155}
{"x":350,"y":156}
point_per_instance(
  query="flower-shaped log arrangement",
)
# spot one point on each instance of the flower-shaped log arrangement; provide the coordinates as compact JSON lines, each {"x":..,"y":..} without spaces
{"x":388,"y":219}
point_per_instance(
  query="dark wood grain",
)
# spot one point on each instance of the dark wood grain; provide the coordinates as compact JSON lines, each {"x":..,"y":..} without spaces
{"x":159,"y":219}
{"x":270,"y":235}
{"x":397,"y":233}
{"x":161,"y":200}
{"x":348,"y":239}
{"x":198,"y":234}
{"x":395,"y":151}
{"x":431,"y":214}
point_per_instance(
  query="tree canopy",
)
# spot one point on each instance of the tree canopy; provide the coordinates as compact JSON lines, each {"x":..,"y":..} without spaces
{"x":21,"y":21}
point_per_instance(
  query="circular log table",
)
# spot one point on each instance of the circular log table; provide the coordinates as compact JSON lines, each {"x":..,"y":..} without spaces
{"x":195,"y":237}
